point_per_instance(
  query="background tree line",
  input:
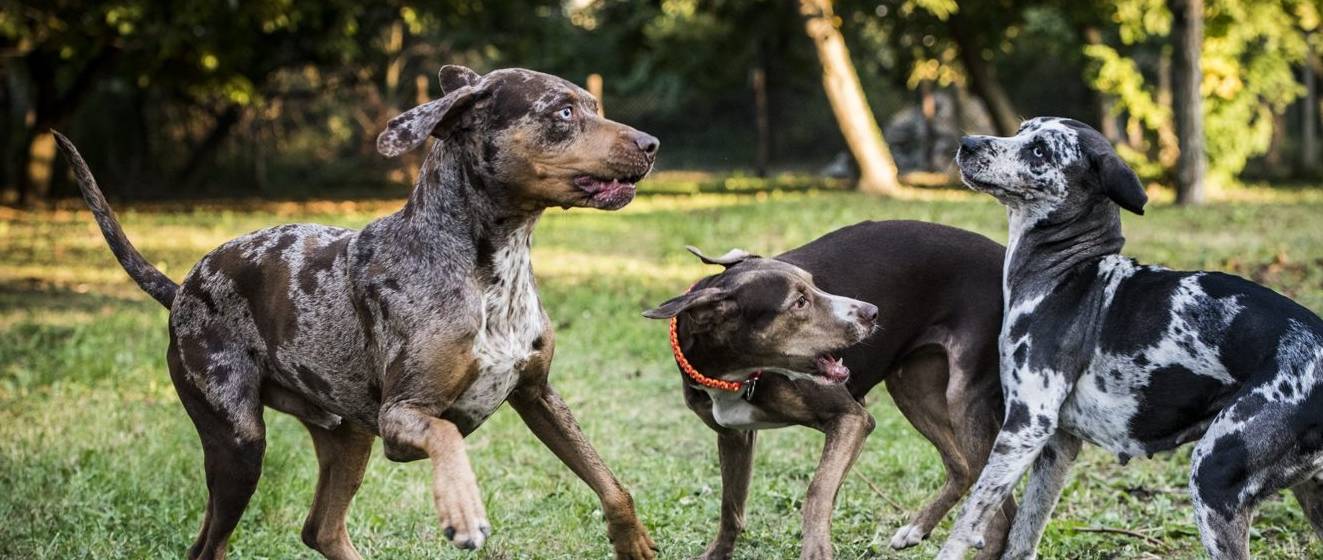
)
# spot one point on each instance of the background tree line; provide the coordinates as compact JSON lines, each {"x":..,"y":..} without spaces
{"x":283,"y":98}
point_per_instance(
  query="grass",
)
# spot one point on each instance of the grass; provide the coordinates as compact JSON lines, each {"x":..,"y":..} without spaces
{"x":98,"y":459}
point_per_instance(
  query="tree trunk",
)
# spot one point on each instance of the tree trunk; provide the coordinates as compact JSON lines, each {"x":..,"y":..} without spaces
{"x":1102,"y":103}
{"x":982,"y":79}
{"x":1169,"y":146}
{"x":1187,"y":34}
{"x":48,"y":107}
{"x":38,"y":162}
{"x":220,"y":130}
{"x":762,"y":154}
{"x":877,"y":170}
{"x":1309,"y":119}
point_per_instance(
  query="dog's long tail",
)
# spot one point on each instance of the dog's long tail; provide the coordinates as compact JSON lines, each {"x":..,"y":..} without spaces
{"x":151,"y":280}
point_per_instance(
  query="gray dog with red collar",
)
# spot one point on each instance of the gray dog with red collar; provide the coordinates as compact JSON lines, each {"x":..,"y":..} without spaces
{"x":414,"y":329}
{"x":1135,"y":359}
{"x":801,"y":339}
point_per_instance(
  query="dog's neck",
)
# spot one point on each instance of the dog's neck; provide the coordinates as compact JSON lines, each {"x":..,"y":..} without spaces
{"x":1045,"y":251}
{"x":453,"y":202}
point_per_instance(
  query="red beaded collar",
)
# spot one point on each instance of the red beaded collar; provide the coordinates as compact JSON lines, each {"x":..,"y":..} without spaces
{"x":722,"y":384}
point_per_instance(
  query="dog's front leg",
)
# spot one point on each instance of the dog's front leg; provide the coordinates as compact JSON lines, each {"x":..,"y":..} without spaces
{"x":1046,"y":479}
{"x":845,"y":438}
{"x":551,"y":421}
{"x":735,"y":451}
{"x":417,"y":389}
{"x":454,"y":486}
{"x":1032,"y":409}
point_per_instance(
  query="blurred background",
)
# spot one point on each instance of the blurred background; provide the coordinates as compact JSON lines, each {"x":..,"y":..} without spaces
{"x":282,"y":99}
{"x":207,"y":119}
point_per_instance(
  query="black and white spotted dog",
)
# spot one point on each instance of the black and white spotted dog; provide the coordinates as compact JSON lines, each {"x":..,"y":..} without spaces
{"x":1136,"y":359}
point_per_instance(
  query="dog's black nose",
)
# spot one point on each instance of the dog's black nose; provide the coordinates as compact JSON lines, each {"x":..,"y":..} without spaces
{"x":868,"y":312}
{"x":971,"y":144}
{"x":647,"y":142}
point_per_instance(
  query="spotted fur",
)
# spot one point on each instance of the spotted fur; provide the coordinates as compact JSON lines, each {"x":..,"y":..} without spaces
{"x":416,"y":328}
{"x":1135,"y":359}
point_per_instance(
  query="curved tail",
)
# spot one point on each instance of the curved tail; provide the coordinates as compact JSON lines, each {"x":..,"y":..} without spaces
{"x":151,"y":280}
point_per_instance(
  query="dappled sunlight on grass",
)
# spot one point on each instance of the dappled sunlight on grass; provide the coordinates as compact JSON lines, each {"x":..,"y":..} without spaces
{"x":95,"y":448}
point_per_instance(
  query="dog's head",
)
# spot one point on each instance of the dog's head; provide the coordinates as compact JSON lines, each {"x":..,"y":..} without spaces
{"x":536,"y":135}
{"x":766,"y":313}
{"x":1052,"y":165}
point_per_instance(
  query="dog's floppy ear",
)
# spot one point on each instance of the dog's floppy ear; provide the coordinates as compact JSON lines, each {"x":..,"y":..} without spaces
{"x":411,"y":128}
{"x":454,"y":76}
{"x":731,"y":258}
{"x":680,"y":304}
{"x":1120,"y":182}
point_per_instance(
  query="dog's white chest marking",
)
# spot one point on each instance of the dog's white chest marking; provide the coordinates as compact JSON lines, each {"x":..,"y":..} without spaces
{"x":732,"y":411}
{"x":512,"y":321}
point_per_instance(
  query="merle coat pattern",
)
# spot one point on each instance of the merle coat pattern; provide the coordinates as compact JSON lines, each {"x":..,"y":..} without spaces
{"x":1135,"y":359}
{"x":414,"y":329}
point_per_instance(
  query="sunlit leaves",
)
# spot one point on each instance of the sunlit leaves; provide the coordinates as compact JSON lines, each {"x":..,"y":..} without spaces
{"x":1249,"y":50}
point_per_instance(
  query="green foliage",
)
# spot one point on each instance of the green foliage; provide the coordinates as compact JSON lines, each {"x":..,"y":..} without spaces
{"x":98,"y":459}
{"x":1249,"y":52}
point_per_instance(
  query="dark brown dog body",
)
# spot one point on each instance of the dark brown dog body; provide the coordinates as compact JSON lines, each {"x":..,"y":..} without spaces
{"x":938,"y":294}
{"x":414,"y":329}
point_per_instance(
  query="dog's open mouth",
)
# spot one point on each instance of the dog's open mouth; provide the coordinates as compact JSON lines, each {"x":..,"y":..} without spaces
{"x":832,"y":369}
{"x":608,"y":193}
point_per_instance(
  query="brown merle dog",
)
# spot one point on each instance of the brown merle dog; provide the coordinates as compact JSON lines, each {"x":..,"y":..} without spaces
{"x":414,"y":329}
{"x":914,"y":304}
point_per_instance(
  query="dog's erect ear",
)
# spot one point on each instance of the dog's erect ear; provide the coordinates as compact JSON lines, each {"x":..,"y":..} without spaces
{"x":731,"y":258}
{"x":680,"y":304}
{"x":1120,"y":182}
{"x":454,"y":76}
{"x":411,"y":128}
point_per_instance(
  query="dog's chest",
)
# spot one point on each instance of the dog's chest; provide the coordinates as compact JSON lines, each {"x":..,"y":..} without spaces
{"x":1104,"y":403}
{"x":512,"y":325}
{"x":732,"y":411}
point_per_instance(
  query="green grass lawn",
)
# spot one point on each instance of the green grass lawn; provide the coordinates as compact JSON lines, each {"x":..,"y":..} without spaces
{"x":98,"y":459}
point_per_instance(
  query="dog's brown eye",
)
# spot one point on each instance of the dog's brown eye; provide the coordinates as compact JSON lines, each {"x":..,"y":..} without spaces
{"x":566,"y":113}
{"x":802,"y":302}
{"x":1038,"y":152}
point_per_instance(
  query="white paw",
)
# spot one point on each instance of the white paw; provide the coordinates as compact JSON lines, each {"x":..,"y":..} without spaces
{"x":957,"y":545}
{"x":907,"y":536}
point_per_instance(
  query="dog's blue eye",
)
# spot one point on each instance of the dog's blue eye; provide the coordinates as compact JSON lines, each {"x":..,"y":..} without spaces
{"x":566,"y":113}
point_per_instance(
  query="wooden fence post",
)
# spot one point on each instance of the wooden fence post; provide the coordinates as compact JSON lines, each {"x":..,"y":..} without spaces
{"x":595,"y":88}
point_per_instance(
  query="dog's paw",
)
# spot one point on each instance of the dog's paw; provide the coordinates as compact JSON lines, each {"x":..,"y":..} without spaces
{"x":634,"y":545}
{"x":717,"y":551}
{"x":463,"y":517}
{"x":958,"y":544}
{"x":817,"y":550}
{"x":907,"y":536}
{"x":473,"y":535}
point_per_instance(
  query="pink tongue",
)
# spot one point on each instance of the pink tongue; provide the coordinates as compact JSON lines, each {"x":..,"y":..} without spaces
{"x":833,"y":368}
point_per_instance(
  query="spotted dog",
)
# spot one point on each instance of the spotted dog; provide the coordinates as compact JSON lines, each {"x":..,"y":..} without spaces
{"x":414,"y":329}
{"x":802,"y":338}
{"x":1136,"y":359}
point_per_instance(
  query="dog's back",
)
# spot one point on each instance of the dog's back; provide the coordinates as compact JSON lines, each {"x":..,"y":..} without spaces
{"x":918,"y":274}
{"x":1175,"y":348}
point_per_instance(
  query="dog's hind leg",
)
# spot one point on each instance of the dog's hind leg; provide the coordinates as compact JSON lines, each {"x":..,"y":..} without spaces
{"x":1046,"y":480}
{"x":1251,"y":451}
{"x":220,"y":392}
{"x":918,"y":387}
{"x":1310,"y":495}
{"x":974,"y":406}
{"x":342,"y":456}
